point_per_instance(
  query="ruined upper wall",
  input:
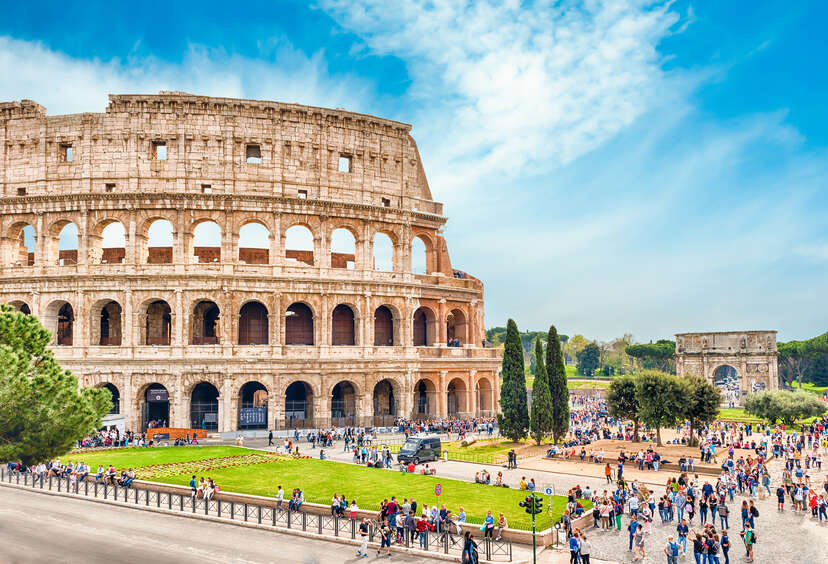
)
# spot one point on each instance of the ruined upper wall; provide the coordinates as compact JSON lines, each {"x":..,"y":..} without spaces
{"x":726,"y":342}
{"x":207,"y":141}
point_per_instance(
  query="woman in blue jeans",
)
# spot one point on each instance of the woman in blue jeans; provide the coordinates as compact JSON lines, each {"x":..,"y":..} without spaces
{"x":698,"y":548}
{"x":725,"y":546}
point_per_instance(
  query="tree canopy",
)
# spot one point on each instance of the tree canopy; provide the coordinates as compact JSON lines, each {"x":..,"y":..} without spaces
{"x":796,"y":357}
{"x":659,"y":355}
{"x":558,"y":385}
{"x":775,"y":405}
{"x":540,"y":419}
{"x":622,"y":401}
{"x":701,"y":403}
{"x":514,"y":417}
{"x":589,"y":359}
{"x":43,"y":412}
{"x":661,"y":399}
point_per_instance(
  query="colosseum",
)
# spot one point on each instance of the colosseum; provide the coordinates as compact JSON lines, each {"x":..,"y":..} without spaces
{"x":236,"y":264}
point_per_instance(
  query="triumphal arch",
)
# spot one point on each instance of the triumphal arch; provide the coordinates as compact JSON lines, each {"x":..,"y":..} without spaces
{"x":238,"y":264}
{"x":738,"y":362}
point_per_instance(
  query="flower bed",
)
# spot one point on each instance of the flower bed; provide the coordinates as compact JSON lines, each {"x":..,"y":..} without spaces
{"x":203,"y":466}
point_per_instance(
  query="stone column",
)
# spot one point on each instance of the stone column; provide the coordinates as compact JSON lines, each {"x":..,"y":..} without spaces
{"x":442,"y":394}
{"x":225,"y":406}
{"x":323,"y":333}
{"x":471,"y":400}
{"x":366,"y":325}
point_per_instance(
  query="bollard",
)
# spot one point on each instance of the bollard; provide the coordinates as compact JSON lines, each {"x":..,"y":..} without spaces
{"x":181,"y":501}
{"x":136,"y":495}
{"x":260,"y":514}
{"x":245,"y":512}
{"x":304,"y":521}
{"x":288,"y":518}
{"x":85,"y":486}
{"x":218,"y":507}
{"x":273,"y":516}
{"x":233,"y":510}
{"x":206,"y":507}
{"x":169,"y":501}
{"x":96,"y":489}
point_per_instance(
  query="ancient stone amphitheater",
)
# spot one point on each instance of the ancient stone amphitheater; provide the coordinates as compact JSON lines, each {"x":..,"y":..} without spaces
{"x":235,"y":264}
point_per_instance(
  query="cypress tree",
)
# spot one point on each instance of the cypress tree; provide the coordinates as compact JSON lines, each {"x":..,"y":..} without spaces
{"x":558,"y":390}
{"x":514,"y":416}
{"x":540,"y":421}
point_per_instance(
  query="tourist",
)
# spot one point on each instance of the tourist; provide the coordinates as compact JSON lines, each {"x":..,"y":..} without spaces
{"x":639,"y":544}
{"x":385,"y":538}
{"x":725,"y":542}
{"x":469,"y":554}
{"x":280,"y":496}
{"x":671,"y":550}
{"x":585,"y":549}
{"x":488,"y":525}
{"x":502,"y":525}
{"x":574,"y":548}
{"x":749,"y":538}
{"x":363,"y":534}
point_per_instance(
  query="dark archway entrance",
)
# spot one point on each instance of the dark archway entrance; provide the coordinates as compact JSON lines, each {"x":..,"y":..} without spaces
{"x":65,"y":325}
{"x":385,"y":404}
{"x":206,"y":316}
{"x":299,"y":325}
{"x":383,"y":327}
{"x":116,"y":398}
{"x":110,"y":325}
{"x":298,"y":406}
{"x":343,"y":405}
{"x":156,"y":407}
{"x":425,"y":399}
{"x":342,"y":326}
{"x":253,"y":406}
{"x":204,"y":407}
{"x":253,"y":326}
{"x":726,"y":378}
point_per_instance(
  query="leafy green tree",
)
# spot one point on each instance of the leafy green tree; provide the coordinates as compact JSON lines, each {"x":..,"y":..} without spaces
{"x":659,"y":355}
{"x":43,"y":412}
{"x":661,"y":401}
{"x":540,"y":418}
{"x":514,"y":416}
{"x":701,"y":403}
{"x":589,"y":359}
{"x":623,"y":402}
{"x":786,"y":406}
{"x":558,"y":388}
{"x":817,"y":372}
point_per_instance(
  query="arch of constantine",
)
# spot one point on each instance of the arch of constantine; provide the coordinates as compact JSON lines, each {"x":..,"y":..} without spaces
{"x":738,"y":362}
{"x":237,"y":264}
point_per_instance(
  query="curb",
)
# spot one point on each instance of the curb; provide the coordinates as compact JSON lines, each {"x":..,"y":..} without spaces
{"x":216,"y":519}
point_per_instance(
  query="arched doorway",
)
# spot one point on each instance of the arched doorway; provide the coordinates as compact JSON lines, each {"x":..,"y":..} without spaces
{"x":253,"y":406}
{"x":158,"y":323}
{"x":155,"y":410}
{"x":298,"y":406}
{"x":383,"y":327}
{"x":110,"y":324}
{"x":726,"y":378}
{"x":424,"y":324}
{"x":385,"y":403}
{"x":456,"y":328}
{"x":116,"y":398}
{"x":343,"y":405}
{"x":425,"y":399}
{"x":22,"y":307}
{"x":65,"y":325}
{"x":299,"y":325}
{"x":342,"y":326}
{"x":205,"y":329}
{"x":204,"y":407}
{"x":253,"y":326}
{"x":456,"y":401}
{"x":485,"y":398}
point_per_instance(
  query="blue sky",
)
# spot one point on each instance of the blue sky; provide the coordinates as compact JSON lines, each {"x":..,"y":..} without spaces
{"x":607,"y":166}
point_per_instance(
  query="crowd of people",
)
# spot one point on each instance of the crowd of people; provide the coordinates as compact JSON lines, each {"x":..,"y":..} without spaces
{"x":76,"y":472}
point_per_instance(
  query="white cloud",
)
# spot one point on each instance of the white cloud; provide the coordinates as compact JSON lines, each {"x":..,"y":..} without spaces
{"x":64,"y":84}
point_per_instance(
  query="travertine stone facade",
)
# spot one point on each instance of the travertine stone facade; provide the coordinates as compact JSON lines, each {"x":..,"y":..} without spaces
{"x":752,"y":354}
{"x":363,"y":345}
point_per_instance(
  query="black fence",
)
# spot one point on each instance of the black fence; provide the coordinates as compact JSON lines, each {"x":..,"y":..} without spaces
{"x":282,"y":518}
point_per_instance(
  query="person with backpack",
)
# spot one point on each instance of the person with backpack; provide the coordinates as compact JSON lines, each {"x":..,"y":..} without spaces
{"x":754,"y":513}
{"x":671,"y":550}
{"x":725,"y":542}
{"x":749,"y":538}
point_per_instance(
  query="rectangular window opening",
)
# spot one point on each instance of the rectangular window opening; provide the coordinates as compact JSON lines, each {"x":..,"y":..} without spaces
{"x":66,"y":153}
{"x":159,"y":150}
{"x":206,"y":189}
{"x":21,"y":191}
{"x":303,"y":194}
{"x":253,"y":153}
{"x":110,"y":188}
{"x":344,"y":163}
{"x":386,"y":202}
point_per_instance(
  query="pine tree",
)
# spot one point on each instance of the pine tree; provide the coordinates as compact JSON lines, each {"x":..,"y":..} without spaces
{"x":558,"y":389}
{"x":514,"y":416}
{"x":540,"y":420}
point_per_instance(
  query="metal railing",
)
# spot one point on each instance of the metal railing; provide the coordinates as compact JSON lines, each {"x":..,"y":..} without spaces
{"x":281,"y":518}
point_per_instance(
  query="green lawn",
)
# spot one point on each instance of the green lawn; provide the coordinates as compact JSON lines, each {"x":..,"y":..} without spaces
{"x":737,"y":414}
{"x":482,"y":452}
{"x":320,"y":479}
{"x":139,"y":457}
{"x":575,"y":384}
{"x":813,"y":388}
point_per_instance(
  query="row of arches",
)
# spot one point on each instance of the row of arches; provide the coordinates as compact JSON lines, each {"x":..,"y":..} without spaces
{"x":107,"y":244}
{"x":299,"y":406}
{"x":155,"y":324}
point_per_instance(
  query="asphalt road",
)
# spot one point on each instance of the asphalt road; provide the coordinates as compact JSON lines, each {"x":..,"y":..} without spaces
{"x":41,"y":528}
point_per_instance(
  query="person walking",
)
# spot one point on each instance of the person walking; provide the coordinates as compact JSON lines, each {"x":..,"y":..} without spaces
{"x":725,"y":541}
{"x":749,"y":538}
{"x":671,"y":550}
{"x":574,"y":547}
{"x":270,"y":438}
{"x":363,"y":533}
{"x":723,"y":514}
{"x":584,"y":550}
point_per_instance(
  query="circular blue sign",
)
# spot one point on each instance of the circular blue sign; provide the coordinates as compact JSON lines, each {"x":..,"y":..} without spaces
{"x":438,"y":489}
{"x":548,"y":491}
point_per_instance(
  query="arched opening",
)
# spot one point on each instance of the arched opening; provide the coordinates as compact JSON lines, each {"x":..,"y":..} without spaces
{"x":205,"y":326}
{"x":385,"y":403}
{"x":485,"y":398}
{"x":342,"y":326}
{"x":298,"y":406}
{"x":155,"y":411}
{"x":253,"y":326}
{"x":343,"y":405}
{"x":456,"y":328}
{"x":424,"y":327}
{"x":158,"y":323}
{"x":68,"y":245}
{"x":65,"y":325}
{"x":204,"y":407}
{"x":457,"y":400}
{"x":160,"y":242}
{"x":254,"y":244}
{"x":419,"y":259}
{"x":425,"y":399}
{"x":253,"y":406}
{"x":299,"y":245}
{"x":116,"y":398}
{"x":21,"y":245}
{"x":109,"y":325}
{"x":343,"y":249}
{"x":207,"y":242}
{"x":383,"y":253}
{"x":726,"y":378}
{"x":108,"y":246}
{"x":299,"y":325}
{"x":22,"y":307}
{"x":383,"y":327}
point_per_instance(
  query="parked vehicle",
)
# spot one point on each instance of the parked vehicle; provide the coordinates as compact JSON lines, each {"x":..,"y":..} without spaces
{"x":420,"y":449}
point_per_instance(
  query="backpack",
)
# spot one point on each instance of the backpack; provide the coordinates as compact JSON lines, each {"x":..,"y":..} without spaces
{"x":754,"y":511}
{"x":674,"y":548}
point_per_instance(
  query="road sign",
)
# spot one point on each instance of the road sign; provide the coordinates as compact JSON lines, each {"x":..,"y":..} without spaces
{"x":548,"y":491}
{"x":438,"y":489}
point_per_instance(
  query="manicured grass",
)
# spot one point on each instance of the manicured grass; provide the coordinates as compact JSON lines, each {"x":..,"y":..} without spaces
{"x":320,"y":479}
{"x":140,"y":457}
{"x":585,"y":384}
{"x":737,"y":414}
{"x":483,"y":452}
{"x":813,"y":388}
